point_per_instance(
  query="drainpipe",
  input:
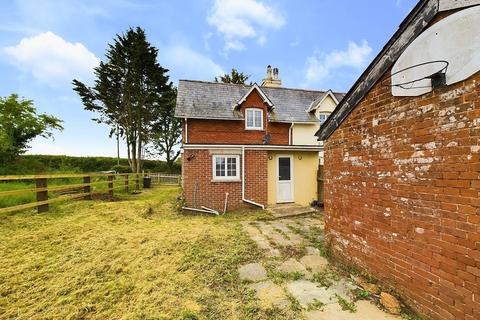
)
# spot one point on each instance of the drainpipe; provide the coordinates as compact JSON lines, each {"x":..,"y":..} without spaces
{"x":243,"y":183}
{"x":290,"y":134}
{"x":186,"y":131}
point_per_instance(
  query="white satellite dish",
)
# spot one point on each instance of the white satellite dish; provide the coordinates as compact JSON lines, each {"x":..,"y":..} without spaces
{"x":446,"y":53}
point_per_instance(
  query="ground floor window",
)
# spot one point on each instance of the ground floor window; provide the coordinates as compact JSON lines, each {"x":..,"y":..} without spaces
{"x":226,"y":167}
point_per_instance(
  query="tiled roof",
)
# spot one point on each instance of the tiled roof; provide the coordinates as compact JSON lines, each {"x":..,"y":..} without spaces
{"x":212,"y":100}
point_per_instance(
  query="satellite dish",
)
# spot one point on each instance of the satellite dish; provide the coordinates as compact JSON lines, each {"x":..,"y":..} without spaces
{"x":446,"y":53}
{"x":267,"y":138}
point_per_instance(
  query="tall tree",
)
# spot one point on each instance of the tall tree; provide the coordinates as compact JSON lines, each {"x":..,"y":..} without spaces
{"x":233,"y":77}
{"x":20,"y":124}
{"x":167,"y":131}
{"x":129,"y":91}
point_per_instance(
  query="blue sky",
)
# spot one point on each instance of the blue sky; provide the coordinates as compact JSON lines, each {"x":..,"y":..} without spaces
{"x":317,"y":44}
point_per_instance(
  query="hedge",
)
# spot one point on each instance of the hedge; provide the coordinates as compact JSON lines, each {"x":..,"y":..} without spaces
{"x":36,"y":164}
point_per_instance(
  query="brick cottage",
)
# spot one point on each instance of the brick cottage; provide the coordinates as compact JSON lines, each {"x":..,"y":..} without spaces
{"x":250,"y":145}
{"x":402,"y":173}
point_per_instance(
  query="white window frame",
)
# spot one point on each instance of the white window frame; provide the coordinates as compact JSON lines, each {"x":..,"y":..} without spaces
{"x":226,"y":178}
{"x":326,"y":114}
{"x":247,"y":127}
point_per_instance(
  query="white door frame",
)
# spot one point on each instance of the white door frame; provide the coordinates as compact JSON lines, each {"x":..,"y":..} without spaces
{"x":291,"y":177}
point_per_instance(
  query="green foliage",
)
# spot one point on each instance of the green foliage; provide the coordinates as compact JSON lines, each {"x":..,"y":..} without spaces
{"x":315,"y":305}
{"x":20,"y":124}
{"x":361,"y":294}
{"x":166,"y":135}
{"x":118,"y":168}
{"x":36,"y":164}
{"x":130,"y":90}
{"x":233,"y":77}
{"x":345,"y":304}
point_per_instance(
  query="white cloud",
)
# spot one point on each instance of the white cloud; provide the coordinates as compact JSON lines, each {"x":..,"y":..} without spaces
{"x":240,"y":19}
{"x":319,"y":65}
{"x":52,"y":60}
{"x":186,"y":63}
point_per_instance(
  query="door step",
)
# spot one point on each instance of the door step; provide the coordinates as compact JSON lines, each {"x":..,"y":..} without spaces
{"x":290,"y":210}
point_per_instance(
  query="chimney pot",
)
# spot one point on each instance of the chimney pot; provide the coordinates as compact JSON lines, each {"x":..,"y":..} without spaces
{"x":275,"y":73}
{"x":269,"y":72}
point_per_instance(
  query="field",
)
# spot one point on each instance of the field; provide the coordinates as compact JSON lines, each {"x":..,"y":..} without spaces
{"x":134,"y":258}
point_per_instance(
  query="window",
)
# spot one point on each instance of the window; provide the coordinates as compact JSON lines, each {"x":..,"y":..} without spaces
{"x":226,"y":167}
{"x":254,"y":119}
{"x":322,"y":117}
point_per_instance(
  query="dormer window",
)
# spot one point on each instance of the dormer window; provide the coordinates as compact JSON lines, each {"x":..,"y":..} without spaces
{"x":323,"y":117}
{"x":253,"y":119}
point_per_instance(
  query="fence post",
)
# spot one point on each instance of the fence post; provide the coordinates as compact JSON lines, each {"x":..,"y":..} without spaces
{"x":42,"y":195}
{"x":126,"y":183}
{"x":87,"y":189}
{"x":137,"y":182}
{"x":110,"y":185}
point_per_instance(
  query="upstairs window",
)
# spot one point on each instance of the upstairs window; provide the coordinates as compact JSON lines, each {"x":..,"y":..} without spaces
{"x":253,"y":119}
{"x":323,"y":117}
{"x":226,"y":167}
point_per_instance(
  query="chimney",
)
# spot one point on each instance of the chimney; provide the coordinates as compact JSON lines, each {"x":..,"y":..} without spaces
{"x":269,"y":81}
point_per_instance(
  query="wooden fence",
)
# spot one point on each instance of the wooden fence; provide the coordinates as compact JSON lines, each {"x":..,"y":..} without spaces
{"x":127,"y":182}
{"x":320,"y":188}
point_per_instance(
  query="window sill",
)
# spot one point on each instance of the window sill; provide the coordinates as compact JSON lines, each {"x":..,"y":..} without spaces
{"x":254,"y":129}
{"x":226,"y":180}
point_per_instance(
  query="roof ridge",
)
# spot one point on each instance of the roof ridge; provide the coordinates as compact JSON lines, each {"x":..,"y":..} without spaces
{"x":262,"y":87}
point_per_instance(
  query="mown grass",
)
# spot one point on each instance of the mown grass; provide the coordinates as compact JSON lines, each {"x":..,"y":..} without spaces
{"x":130,"y":259}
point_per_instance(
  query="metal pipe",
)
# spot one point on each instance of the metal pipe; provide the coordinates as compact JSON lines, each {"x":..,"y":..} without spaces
{"x":211,"y":210}
{"x":195,"y":209}
{"x":226,"y":202}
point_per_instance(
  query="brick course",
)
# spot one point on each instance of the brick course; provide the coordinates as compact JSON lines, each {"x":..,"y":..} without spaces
{"x":402,"y":195}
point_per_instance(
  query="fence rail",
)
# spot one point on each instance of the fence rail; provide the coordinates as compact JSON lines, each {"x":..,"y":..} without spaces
{"x":77,"y":190}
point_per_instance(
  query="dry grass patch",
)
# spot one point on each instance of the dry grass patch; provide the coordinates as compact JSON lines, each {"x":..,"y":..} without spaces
{"x":131,"y":259}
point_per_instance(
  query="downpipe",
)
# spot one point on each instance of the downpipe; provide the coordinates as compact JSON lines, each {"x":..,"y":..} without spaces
{"x":243,"y":183}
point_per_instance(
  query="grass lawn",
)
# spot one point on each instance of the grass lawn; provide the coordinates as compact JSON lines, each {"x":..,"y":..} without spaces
{"x":131,"y":259}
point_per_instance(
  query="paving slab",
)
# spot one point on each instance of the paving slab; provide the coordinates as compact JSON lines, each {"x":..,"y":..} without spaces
{"x":343,"y":288}
{"x":365,"y":311}
{"x":269,"y":232}
{"x":312,"y":251}
{"x":306,"y":292}
{"x":261,"y":241}
{"x":253,"y":272}
{"x":314,"y":262}
{"x":270,"y":294}
{"x":292,"y":265}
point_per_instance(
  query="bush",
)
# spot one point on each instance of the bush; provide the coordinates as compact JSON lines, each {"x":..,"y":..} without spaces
{"x":118,"y":168}
{"x":37,"y":164}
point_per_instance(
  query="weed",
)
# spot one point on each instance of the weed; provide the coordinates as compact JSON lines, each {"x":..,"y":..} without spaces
{"x":316,"y":305}
{"x":327,"y":277}
{"x":294,"y":304}
{"x":345,"y":304}
{"x":361,"y":294}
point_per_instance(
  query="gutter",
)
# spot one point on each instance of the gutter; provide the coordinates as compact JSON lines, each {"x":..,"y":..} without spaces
{"x":255,"y":147}
{"x":243,"y":183}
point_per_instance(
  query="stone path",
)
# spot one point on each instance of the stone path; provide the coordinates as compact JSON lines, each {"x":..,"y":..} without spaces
{"x":294,"y":272}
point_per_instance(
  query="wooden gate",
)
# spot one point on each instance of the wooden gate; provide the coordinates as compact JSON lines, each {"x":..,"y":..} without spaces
{"x":320,"y":189}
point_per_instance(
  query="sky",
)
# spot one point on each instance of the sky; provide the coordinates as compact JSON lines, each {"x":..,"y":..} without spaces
{"x":316,"y":44}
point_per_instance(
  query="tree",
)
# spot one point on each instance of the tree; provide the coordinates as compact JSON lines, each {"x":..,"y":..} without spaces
{"x":233,"y":77}
{"x":166,"y":133}
{"x":129,"y":91}
{"x":20,"y":124}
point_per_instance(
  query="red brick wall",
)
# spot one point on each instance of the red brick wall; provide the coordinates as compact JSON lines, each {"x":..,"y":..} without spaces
{"x":233,"y":131}
{"x":198,"y":171}
{"x":402,"y":200}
